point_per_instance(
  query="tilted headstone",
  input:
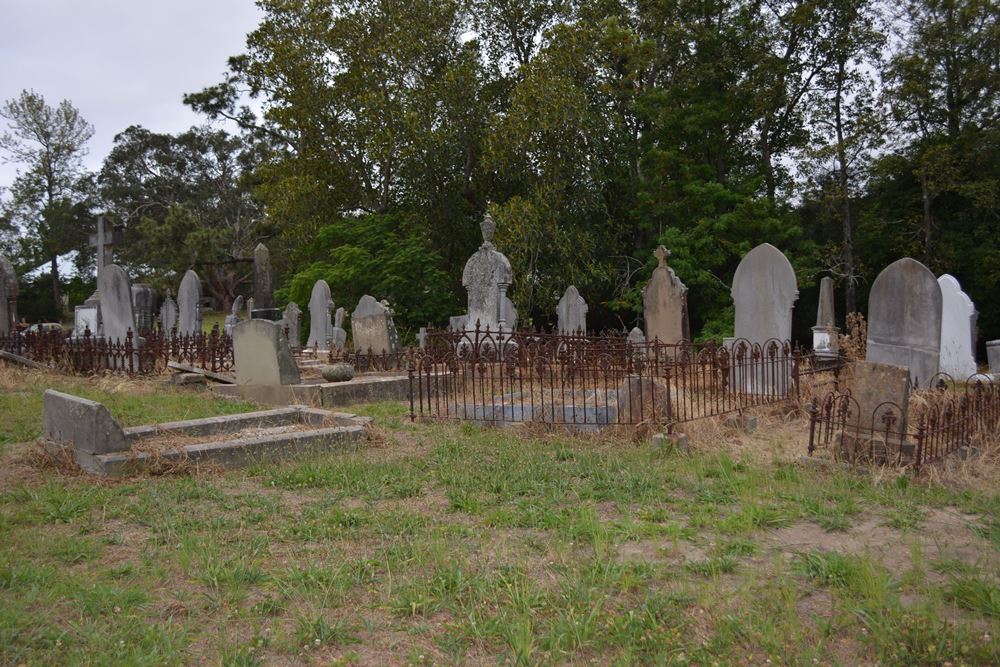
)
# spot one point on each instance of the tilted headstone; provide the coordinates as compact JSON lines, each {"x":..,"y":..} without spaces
{"x":168,"y":314}
{"x":262,"y":354}
{"x":263,"y":291}
{"x":571,"y":312}
{"x":189,"y":304}
{"x":292,"y":318}
{"x":764,"y":292}
{"x":958,"y":330}
{"x":826,"y":343}
{"x":664,"y":302}
{"x":320,"y":328}
{"x":144,"y":305}
{"x":233,"y":318}
{"x":486,"y":277}
{"x":904,"y":319}
{"x":993,"y":356}
{"x":372,"y":328}
{"x":11,"y":288}
{"x":117,"y":316}
{"x":339,"y":337}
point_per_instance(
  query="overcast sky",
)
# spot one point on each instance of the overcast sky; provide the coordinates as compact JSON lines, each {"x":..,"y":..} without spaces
{"x":120,"y":62}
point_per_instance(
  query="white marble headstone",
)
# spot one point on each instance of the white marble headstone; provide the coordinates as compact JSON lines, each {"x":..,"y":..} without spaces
{"x":958,"y":327}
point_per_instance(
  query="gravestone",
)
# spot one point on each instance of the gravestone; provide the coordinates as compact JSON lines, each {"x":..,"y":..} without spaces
{"x":320,"y":328}
{"x":458,"y":322}
{"x":189,"y":305}
{"x":664,"y":301}
{"x":958,"y":330}
{"x":5,"y":325}
{"x":168,"y":314}
{"x":826,"y":343}
{"x":571,"y":312}
{"x":372,"y":328}
{"x":636,"y":338}
{"x":263,"y":291}
{"x":993,"y":356}
{"x":144,"y":306}
{"x":339,"y":336}
{"x":292,"y":318}
{"x":116,"y":314}
{"x":764,"y":292}
{"x":262,"y":355}
{"x":422,"y":338}
{"x":486,"y":278}
{"x":11,"y":290}
{"x":904,"y":319}
{"x":233,"y":318}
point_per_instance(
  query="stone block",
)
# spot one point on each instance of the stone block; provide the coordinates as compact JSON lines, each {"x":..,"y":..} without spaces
{"x":666,"y":442}
{"x":189,"y":379}
{"x":262,"y":355}
{"x":993,"y":356}
{"x":85,"y":425}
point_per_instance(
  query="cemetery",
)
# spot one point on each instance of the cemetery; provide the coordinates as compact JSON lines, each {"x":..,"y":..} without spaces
{"x":529,"y":333}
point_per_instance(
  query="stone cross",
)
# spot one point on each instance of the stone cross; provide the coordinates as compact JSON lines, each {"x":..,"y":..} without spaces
{"x":904,"y":319}
{"x":664,"y":300}
{"x":263,"y":291}
{"x":107,"y":236}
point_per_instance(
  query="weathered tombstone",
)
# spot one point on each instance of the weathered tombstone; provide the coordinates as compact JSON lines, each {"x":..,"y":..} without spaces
{"x":233,"y":318}
{"x":5,"y":325}
{"x":422,"y":338}
{"x":958,"y":330}
{"x":372,"y":328}
{"x":826,"y":343}
{"x":486,"y":278}
{"x":904,"y":319}
{"x":882,"y":394}
{"x":262,"y":355}
{"x":458,"y":322}
{"x":168,"y":314}
{"x":292,"y":318}
{"x":11,"y":290}
{"x":189,"y":305}
{"x":86,"y":318}
{"x":144,"y":305}
{"x":117,"y":316}
{"x":764,"y":293}
{"x":636,"y":338}
{"x":664,"y":301}
{"x":320,"y":328}
{"x":993,"y":356}
{"x":263,"y":292}
{"x":571,"y":312}
{"x":338,"y":338}
{"x":251,"y":306}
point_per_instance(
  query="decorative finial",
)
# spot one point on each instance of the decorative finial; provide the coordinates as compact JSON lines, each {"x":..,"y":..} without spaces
{"x":489,"y":227}
{"x":662,"y":254}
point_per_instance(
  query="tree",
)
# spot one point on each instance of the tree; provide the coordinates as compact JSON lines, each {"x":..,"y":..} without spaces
{"x":49,"y":199}
{"x":187,"y":201}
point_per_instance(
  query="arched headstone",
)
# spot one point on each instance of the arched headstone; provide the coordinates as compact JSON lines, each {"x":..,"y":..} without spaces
{"x":572,"y":312}
{"x":958,"y":330}
{"x":764,"y":293}
{"x":486,"y":278}
{"x":189,"y":304}
{"x":320,"y":327}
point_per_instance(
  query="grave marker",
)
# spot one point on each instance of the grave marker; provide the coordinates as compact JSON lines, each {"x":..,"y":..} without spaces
{"x":189,"y":305}
{"x":320,"y":305}
{"x":116,"y":314}
{"x":486,"y":278}
{"x":958,"y":330}
{"x":168,"y":314}
{"x":764,"y":292}
{"x":372,"y":327}
{"x":292,"y":318}
{"x":262,"y":355}
{"x":572,"y":312}
{"x":826,"y":343}
{"x":233,"y":318}
{"x":664,"y":302}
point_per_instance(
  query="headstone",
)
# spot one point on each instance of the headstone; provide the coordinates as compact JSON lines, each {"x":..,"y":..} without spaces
{"x":262,"y":355}
{"x":251,"y":306}
{"x":339,"y":337}
{"x":11,"y":289}
{"x":664,"y":302}
{"x":116,"y":314}
{"x":508,"y":314}
{"x":486,"y":277}
{"x":292,"y":318}
{"x":5,"y":324}
{"x":636,"y":337}
{"x":904,"y":319}
{"x":168,"y":314}
{"x":882,"y":396}
{"x":422,"y":338}
{"x":958,"y":330}
{"x":86,"y":318}
{"x":372,"y":328}
{"x":826,"y":343}
{"x":320,"y":328}
{"x":458,"y":322}
{"x":233,"y":318}
{"x":764,"y":293}
{"x":993,"y":356}
{"x":144,"y":305}
{"x":263,"y":291}
{"x":571,"y":312}
{"x":189,"y":305}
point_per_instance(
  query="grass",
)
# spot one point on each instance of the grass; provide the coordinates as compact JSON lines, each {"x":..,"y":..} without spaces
{"x":450,"y":544}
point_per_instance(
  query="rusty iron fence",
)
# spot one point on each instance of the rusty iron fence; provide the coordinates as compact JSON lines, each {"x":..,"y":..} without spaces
{"x":588,"y":382}
{"x":938,"y":421}
{"x":134,"y":355}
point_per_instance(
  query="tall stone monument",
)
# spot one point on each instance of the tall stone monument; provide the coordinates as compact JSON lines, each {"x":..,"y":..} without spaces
{"x":117,"y":315}
{"x":571,"y":312}
{"x":320,"y":304}
{"x":372,"y":327}
{"x":486,"y":278}
{"x":958,"y":330}
{"x":11,"y":290}
{"x":826,"y":342}
{"x":168,"y":314}
{"x":189,"y":304}
{"x":904,"y":319}
{"x":764,"y":292}
{"x":664,"y":301}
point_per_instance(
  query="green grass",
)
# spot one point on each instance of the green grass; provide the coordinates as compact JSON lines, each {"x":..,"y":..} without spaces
{"x":450,"y":544}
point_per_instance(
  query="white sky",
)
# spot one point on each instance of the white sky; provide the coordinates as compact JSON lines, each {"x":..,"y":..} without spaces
{"x":120,"y":62}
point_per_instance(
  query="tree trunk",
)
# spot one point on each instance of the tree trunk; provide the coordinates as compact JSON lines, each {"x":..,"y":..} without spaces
{"x":56,"y":296}
{"x":847,"y":256}
{"x":928,"y":218}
